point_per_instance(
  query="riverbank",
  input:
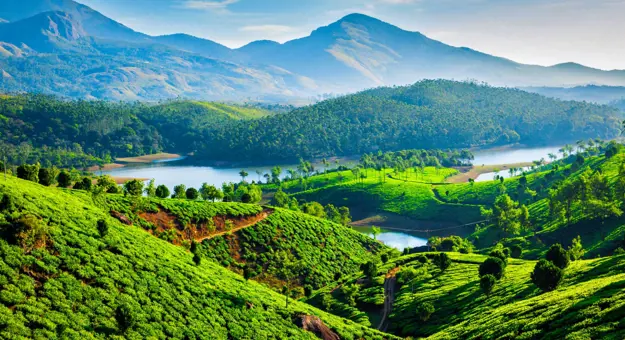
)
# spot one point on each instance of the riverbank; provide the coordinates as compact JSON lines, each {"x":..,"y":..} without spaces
{"x":473,"y":172}
{"x":158,"y":157}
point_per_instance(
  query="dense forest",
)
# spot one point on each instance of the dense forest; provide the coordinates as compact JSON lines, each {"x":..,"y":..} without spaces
{"x":429,"y":114}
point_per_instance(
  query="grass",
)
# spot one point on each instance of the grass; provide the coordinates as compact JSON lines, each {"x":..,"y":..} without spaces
{"x":75,"y":284}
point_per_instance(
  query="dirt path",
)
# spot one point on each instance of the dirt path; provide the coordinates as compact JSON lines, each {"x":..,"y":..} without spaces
{"x":248,"y":223}
{"x":390,"y":282}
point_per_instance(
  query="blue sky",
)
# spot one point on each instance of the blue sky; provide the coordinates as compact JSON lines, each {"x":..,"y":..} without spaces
{"x":543,"y":32}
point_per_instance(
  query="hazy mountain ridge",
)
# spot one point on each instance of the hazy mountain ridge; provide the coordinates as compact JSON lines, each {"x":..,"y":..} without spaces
{"x":354,"y":53}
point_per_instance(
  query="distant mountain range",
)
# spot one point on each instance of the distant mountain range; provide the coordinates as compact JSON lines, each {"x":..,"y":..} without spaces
{"x":65,"y":48}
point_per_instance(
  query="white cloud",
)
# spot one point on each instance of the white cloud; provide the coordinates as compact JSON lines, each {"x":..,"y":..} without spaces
{"x":208,"y":5}
{"x":267,"y":29}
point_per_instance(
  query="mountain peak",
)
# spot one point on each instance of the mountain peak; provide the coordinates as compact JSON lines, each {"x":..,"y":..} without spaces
{"x":53,"y":24}
{"x":359,"y":18}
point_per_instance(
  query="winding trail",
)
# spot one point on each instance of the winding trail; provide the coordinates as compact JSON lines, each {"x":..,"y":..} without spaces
{"x":390,"y":281}
{"x":248,"y":222}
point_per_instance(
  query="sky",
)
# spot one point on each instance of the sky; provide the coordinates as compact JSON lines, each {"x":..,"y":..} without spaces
{"x":541,"y":32}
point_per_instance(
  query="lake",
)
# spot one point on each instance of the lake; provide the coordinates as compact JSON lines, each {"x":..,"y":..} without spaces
{"x":489,"y":176}
{"x":397,"y":240}
{"x":172,"y":173}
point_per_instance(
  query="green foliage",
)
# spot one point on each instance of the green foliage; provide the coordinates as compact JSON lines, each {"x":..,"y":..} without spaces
{"x":424,"y":311}
{"x":558,"y":256}
{"x":487,"y":283}
{"x":131,"y":284}
{"x":180,"y":191}
{"x":370,"y":269}
{"x":192,"y":194}
{"x":64,"y":179}
{"x":133,"y":187}
{"x":442,"y":261}
{"x":411,"y":117}
{"x":546,"y":275}
{"x":493,"y":266}
{"x":103,"y":227}
{"x":516,"y":251}
{"x":150,"y":189}
{"x":210,"y":192}
{"x":498,"y":253}
{"x":313,"y":209}
{"x":84,"y":184}
{"x":576,"y":250}
{"x":47,"y":176}
{"x":29,"y":172}
{"x":162,"y":191}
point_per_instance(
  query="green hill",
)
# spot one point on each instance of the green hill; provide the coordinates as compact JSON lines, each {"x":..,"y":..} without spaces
{"x":590,"y":303}
{"x":62,"y":276}
{"x":429,"y":114}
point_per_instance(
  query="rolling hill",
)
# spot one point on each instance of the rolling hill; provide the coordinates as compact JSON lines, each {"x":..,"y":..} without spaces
{"x":351,"y":54}
{"x":429,"y":114}
{"x":63,"y":277}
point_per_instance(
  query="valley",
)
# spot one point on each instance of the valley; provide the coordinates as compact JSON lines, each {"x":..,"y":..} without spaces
{"x":238,"y":169}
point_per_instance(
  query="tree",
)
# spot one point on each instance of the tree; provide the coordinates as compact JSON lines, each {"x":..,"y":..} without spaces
{"x":47,"y":176}
{"x":516,"y":251}
{"x":150,"y":189}
{"x":180,"y":191}
{"x":370,"y":269}
{"x":192,"y":194}
{"x":442,"y":261}
{"x":314,"y":209}
{"x":332,"y":213}
{"x":162,"y":191}
{"x":103,"y":228}
{"x":108,"y":184}
{"x":576,"y":250}
{"x":210,"y":192}
{"x":276,"y":171}
{"x":424,"y":311}
{"x":350,"y":291}
{"x":84,"y":184}
{"x":134,"y":187}
{"x":498,"y":253}
{"x":558,"y":256}
{"x":546,"y":275}
{"x":246,"y":198}
{"x":243,"y":175}
{"x":29,"y":172}
{"x":126,"y":317}
{"x":508,"y":215}
{"x":493,"y":266}
{"x":281,"y":199}
{"x":346,"y":217}
{"x":375,"y":231}
{"x":64,"y":179}
{"x":487,"y":283}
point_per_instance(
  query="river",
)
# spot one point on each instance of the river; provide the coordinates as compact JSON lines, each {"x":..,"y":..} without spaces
{"x":173,"y":173}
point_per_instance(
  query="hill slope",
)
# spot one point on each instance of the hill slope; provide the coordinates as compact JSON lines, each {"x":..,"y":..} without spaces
{"x":429,"y":114}
{"x":62,"y":278}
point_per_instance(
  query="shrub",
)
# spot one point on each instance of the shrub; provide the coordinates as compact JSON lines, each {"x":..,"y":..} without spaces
{"x":29,"y":172}
{"x":558,"y":256}
{"x":84,"y":184}
{"x":192,"y":194}
{"x":492,"y":266}
{"x":576,"y":250}
{"x":424,"y":311}
{"x":134,"y":187}
{"x":162,"y":191}
{"x":47,"y":176}
{"x":64,"y":179}
{"x":370,"y":269}
{"x":246,"y":198}
{"x":125,"y":317}
{"x":516,"y":251}
{"x":498,"y":253}
{"x":487,"y":283}
{"x":442,"y":261}
{"x":103,"y":228}
{"x":546,"y":275}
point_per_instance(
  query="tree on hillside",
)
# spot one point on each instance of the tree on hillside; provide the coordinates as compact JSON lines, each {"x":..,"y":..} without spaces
{"x":243,"y":175}
{"x":162,"y":191}
{"x":487,"y":283}
{"x":558,"y":256}
{"x":507,"y":214}
{"x":375,"y":231}
{"x":133,"y":187}
{"x":150,"y":189}
{"x":192,"y":194}
{"x":276,"y":171}
{"x":546,"y":275}
{"x":180,"y":191}
{"x":210,"y":192}
{"x":425,"y":311}
{"x":47,"y":176}
{"x":64,"y":179}
{"x":576,"y":250}
{"x":29,"y":172}
{"x":442,"y":261}
{"x":346,"y":217}
{"x":493,"y":266}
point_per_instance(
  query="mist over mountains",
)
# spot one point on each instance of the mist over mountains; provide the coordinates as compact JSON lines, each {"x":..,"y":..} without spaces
{"x":65,"y":48}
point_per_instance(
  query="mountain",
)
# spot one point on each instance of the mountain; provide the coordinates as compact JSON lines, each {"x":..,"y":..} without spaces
{"x":589,"y":93}
{"x":196,"y":45}
{"x":430,"y":114}
{"x":95,"y":24}
{"x":360,"y":51}
{"x":53,"y":52}
{"x":354,"y":53}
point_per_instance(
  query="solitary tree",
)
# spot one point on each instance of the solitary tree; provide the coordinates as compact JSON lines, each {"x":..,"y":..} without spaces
{"x":375,"y":231}
{"x":492,"y":266}
{"x":150,"y":189}
{"x":243,"y":174}
{"x":442,"y":261}
{"x":162,"y":191}
{"x":487,"y":283}
{"x":180,"y":191}
{"x":134,"y":187}
{"x":558,"y":256}
{"x":64,"y":179}
{"x":546,"y":275}
{"x":192,"y":194}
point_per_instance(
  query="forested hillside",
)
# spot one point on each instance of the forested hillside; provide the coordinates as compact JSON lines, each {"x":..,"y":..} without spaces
{"x":82,"y":133}
{"x":428,"y":114}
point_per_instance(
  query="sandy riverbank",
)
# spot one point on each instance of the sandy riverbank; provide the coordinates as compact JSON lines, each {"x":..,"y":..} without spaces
{"x":149,"y":158}
{"x":476,"y":170}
